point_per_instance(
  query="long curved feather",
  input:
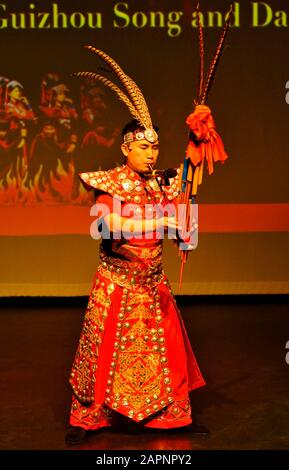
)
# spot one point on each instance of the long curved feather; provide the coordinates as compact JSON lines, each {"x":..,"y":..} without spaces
{"x":131,"y":87}
{"x":133,"y":90}
{"x":216,"y":58}
{"x":112,"y":86}
{"x":202,"y":54}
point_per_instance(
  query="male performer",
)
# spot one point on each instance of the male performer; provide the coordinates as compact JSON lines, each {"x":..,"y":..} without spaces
{"x":134,"y":357}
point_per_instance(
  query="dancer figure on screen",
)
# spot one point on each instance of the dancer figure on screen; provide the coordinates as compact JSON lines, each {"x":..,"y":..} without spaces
{"x":99,"y":134}
{"x":21,"y":116}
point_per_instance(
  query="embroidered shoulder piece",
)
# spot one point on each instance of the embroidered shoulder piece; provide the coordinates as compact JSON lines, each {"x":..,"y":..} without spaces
{"x":106,"y":181}
{"x":127,"y":185}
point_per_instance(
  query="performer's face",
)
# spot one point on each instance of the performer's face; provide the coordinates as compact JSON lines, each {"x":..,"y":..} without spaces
{"x":3,"y":134}
{"x":49,"y":131}
{"x":60,"y":97}
{"x":16,"y":93}
{"x":141,"y":155}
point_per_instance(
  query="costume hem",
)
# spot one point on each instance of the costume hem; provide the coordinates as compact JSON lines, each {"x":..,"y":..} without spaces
{"x":93,"y":427}
{"x":168,"y":425}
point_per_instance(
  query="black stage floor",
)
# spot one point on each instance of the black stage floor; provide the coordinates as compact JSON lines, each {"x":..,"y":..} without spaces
{"x":239,"y":343}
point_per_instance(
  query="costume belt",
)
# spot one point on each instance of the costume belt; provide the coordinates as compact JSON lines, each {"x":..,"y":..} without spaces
{"x":130,"y":273}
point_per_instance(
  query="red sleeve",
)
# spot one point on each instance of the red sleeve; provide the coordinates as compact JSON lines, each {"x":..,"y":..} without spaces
{"x":104,"y":198}
{"x":103,"y":205}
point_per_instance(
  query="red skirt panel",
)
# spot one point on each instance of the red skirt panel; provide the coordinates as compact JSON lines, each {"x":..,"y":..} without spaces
{"x":134,"y":357}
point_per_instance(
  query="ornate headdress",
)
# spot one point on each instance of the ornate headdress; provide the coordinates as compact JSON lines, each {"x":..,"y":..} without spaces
{"x":132,"y":97}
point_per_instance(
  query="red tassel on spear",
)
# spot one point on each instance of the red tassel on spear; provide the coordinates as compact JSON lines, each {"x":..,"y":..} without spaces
{"x":204,"y":142}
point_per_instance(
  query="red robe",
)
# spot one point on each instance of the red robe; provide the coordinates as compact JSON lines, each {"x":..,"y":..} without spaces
{"x":134,"y":355}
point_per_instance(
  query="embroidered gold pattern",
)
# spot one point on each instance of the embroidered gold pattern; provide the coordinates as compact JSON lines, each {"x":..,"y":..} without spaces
{"x":138,"y":374}
{"x":82,"y":377}
{"x":139,"y":380}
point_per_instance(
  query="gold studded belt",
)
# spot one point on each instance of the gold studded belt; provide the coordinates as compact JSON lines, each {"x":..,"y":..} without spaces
{"x":128,"y":273}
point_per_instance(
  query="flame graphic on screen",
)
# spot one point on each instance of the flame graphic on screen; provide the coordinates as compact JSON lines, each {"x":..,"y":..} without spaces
{"x":59,"y":187}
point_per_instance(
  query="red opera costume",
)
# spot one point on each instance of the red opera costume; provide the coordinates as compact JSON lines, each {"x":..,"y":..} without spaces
{"x":134,"y":356}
